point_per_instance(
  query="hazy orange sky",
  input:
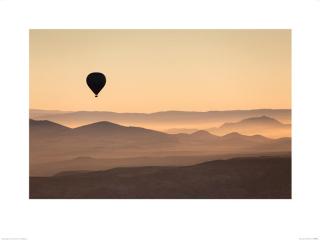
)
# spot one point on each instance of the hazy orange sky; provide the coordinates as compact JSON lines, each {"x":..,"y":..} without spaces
{"x":158,"y":70}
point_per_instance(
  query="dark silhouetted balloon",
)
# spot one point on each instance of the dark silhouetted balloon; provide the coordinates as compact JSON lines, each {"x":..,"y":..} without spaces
{"x":96,"y":82}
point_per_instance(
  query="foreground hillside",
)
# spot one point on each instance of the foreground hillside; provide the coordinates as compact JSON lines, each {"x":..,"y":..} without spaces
{"x":242,"y":178}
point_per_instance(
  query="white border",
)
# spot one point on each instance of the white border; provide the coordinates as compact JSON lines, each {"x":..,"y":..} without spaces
{"x":156,"y":219}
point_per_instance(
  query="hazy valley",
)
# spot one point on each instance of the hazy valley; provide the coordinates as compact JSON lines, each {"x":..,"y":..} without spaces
{"x":62,"y":153}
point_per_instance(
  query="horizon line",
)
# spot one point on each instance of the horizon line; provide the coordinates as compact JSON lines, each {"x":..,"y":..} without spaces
{"x":161,"y":111}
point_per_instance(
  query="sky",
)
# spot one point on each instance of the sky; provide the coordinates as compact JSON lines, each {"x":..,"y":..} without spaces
{"x":160,"y":70}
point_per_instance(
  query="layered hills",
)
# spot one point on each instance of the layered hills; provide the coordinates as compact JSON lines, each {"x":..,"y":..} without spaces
{"x":53,"y":145}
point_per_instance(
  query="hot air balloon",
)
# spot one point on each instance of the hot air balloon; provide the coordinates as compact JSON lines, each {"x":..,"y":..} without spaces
{"x":96,"y":82}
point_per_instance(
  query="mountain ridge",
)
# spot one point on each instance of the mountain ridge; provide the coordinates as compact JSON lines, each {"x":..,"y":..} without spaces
{"x":109,"y":125}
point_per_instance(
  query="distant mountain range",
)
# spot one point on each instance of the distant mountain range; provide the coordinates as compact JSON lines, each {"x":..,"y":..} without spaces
{"x":262,"y":125}
{"x":51,"y":142}
{"x":159,"y":120}
{"x":34,"y":113}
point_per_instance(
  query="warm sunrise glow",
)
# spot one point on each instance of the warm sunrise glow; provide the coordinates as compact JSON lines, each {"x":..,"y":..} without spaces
{"x":156,"y":70}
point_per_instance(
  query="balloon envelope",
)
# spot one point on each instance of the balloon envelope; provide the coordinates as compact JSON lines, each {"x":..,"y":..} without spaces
{"x":96,"y":82}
